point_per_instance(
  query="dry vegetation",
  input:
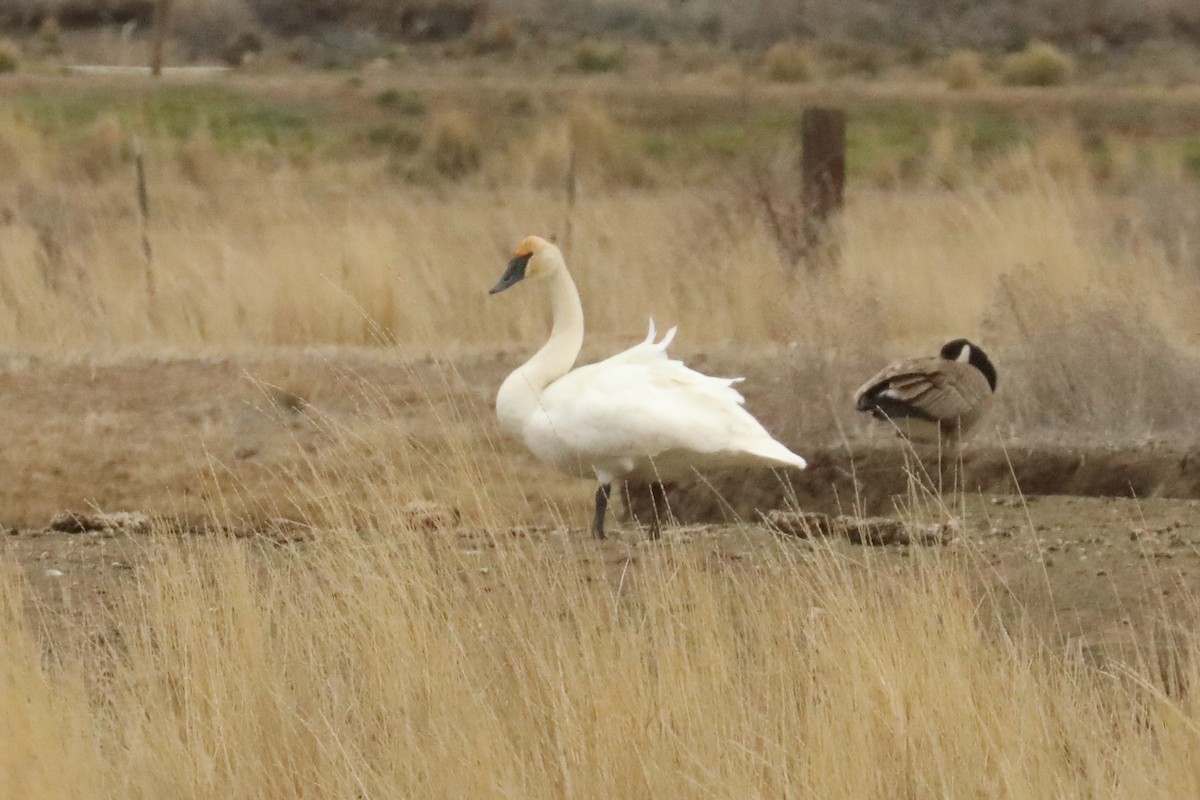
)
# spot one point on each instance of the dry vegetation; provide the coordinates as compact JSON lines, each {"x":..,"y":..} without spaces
{"x":395,"y":665}
{"x":388,"y":655}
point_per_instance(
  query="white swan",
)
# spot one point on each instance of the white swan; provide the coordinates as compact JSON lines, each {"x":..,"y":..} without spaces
{"x":638,"y":414}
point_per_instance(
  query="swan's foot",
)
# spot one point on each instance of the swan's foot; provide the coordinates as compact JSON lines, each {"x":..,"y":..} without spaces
{"x":602,"y":495}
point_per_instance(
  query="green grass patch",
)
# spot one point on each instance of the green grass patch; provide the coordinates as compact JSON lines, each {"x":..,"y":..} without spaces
{"x":890,"y":132}
{"x":990,"y":131}
{"x":233,"y":119}
{"x":395,"y":138}
{"x":723,"y":140}
{"x":1191,"y":157}
{"x":406,"y":103}
{"x":63,"y":114}
{"x":598,"y":57}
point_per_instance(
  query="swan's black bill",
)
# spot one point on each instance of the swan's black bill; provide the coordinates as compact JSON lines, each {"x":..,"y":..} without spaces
{"x":514,"y":274}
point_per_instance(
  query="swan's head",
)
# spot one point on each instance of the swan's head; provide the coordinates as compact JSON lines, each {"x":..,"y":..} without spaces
{"x":534,"y":257}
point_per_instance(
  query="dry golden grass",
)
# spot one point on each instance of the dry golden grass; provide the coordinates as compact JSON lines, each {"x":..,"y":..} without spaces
{"x":380,"y":659}
{"x":254,"y":251}
{"x":251,"y":249}
{"x":389,"y":662}
{"x":963,"y":69}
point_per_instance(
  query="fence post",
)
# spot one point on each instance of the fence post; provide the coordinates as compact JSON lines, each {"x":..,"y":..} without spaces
{"x":822,"y":172}
{"x":159,"y":34}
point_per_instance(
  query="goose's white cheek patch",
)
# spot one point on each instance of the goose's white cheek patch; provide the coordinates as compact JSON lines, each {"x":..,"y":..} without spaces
{"x":965,"y":355}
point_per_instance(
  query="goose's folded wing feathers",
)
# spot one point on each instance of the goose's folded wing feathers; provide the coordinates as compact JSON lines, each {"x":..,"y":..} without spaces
{"x":937,"y":388}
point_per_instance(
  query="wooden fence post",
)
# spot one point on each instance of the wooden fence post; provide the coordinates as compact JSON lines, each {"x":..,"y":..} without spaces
{"x":159,"y":35}
{"x":822,"y":172}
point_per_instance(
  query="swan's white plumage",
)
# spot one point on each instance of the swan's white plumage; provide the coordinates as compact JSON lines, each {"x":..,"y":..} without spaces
{"x":637,"y":414}
{"x":642,"y":414}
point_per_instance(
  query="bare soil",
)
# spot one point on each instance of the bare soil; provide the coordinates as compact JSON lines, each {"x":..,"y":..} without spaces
{"x":1100,"y":546}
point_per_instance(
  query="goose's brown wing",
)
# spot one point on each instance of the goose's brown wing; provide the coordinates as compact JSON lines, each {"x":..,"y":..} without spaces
{"x":932,"y":389}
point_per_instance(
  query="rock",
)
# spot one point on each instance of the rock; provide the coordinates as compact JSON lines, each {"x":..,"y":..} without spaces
{"x":803,"y":524}
{"x":87,"y":522}
{"x":428,"y":515}
{"x":861,"y":530}
{"x":242,"y":452}
{"x":54,"y":573}
{"x":873,"y":530}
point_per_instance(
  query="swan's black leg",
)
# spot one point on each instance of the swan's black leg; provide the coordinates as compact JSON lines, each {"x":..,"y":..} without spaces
{"x":658,"y":508}
{"x":602,"y":495}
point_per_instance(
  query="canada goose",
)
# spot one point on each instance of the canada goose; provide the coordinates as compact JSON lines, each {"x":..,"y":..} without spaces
{"x":637,"y":415}
{"x":940,"y":398}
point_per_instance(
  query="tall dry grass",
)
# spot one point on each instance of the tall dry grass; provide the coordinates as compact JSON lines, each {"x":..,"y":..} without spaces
{"x":381,"y":658}
{"x":254,"y":250}
{"x":1083,"y":291}
{"x":396,"y":663}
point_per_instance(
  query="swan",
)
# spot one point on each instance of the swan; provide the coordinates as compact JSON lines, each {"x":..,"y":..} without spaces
{"x":637,"y":415}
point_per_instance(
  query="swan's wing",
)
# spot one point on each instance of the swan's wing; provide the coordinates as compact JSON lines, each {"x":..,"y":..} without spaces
{"x":640,"y":404}
{"x":930,"y":388}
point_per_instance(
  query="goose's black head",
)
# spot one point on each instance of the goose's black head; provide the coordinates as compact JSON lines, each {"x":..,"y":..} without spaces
{"x":966,"y":352}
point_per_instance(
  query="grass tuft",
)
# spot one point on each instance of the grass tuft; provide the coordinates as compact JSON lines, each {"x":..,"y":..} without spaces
{"x":1039,"y":64}
{"x":455,"y":149}
{"x":963,"y":70}
{"x":10,"y":56}
{"x":594,"y":56}
{"x":790,"y":62}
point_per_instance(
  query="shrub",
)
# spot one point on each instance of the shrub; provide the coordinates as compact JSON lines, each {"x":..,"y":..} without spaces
{"x":1039,"y":64}
{"x":399,"y":140}
{"x":407,"y":103}
{"x":207,"y":27}
{"x":963,"y":70}
{"x":855,"y":56}
{"x":597,"y":57}
{"x":500,"y":37}
{"x":1191,"y":157}
{"x":103,"y":147}
{"x":605,"y":151}
{"x":789,"y":62}
{"x":49,"y":36}
{"x":455,"y":149}
{"x":10,"y":57}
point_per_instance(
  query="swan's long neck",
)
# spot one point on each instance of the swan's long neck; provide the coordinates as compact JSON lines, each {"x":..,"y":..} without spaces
{"x":521,"y":391}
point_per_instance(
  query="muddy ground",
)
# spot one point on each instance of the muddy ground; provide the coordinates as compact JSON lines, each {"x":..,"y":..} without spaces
{"x":1103,"y":541}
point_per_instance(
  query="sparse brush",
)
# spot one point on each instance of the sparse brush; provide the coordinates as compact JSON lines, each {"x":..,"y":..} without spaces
{"x":199,"y":160}
{"x":855,"y":57}
{"x":10,"y":56}
{"x":963,"y":70}
{"x":401,"y":102}
{"x":606,"y":152}
{"x":594,"y":56}
{"x":103,"y":148}
{"x":498,"y":37}
{"x":1039,"y":64}
{"x":49,"y":36}
{"x":790,"y":62}
{"x":397,"y":139}
{"x":455,"y":149}
{"x":728,"y":73}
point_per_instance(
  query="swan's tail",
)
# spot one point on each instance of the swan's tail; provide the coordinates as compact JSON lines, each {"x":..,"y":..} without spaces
{"x":780,"y":453}
{"x":767,"y":448}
